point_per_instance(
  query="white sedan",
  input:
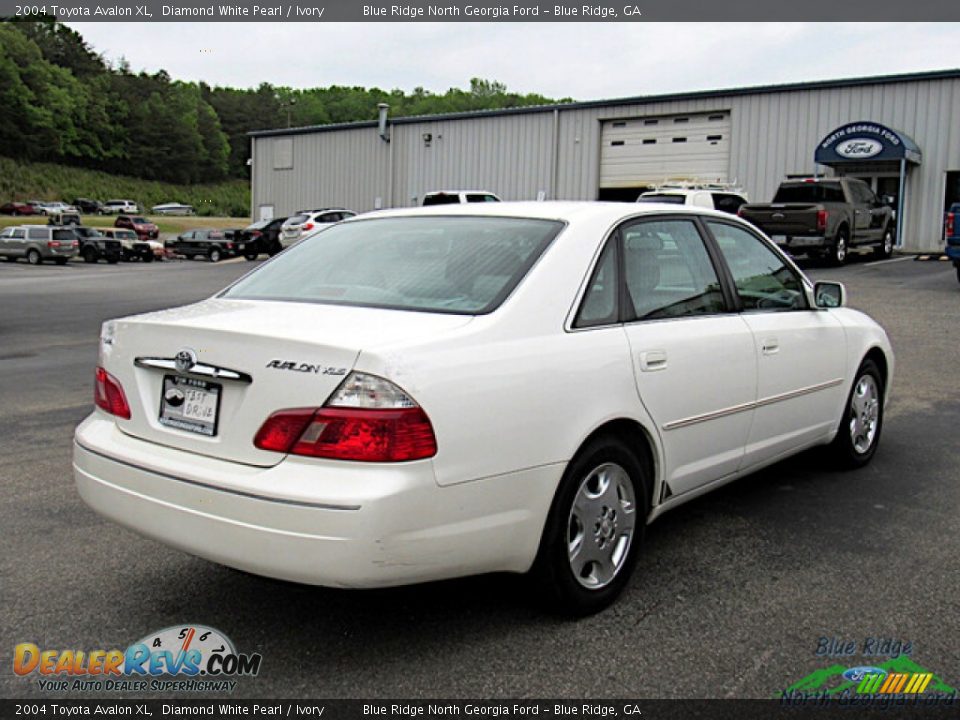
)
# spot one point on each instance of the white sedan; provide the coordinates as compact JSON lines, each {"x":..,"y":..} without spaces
{"x":428,"y":393}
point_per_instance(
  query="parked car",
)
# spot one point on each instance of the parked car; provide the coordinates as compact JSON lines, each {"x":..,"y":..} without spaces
{"x":456,"y":197}
{"x":513,"y":387}
{"x":714,"y":196}
{"x":17,"y":208}
{"x":172,"y":209}
{"x":144,"y":229}
{"x":116,"y":207}
{"x":133,"y":247}
{"x":210,"y":243}
{"x":63,"y":218}
{"x":262,"y":237}
{"x":58,"y":207}
{"x":95,"y":246}
{"x":308,"y":221}
{"x":88,"y":207}
{"x":952,"y":236}
{"x":37,"y":243}
{"x":828,"y":217}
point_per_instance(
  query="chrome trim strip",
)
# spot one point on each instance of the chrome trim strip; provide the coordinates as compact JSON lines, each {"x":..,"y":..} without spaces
{"x":200,"y":369}
{"x":686,"y":422}
{"x":217,"y":488}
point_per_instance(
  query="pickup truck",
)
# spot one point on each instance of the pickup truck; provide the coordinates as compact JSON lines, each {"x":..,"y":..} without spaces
{"x":827,"y":217}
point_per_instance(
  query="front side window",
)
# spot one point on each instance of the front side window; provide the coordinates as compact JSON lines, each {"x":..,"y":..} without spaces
{"x":668,"y":272}
{"x":763,"y":280}
{"x":464,"y":265}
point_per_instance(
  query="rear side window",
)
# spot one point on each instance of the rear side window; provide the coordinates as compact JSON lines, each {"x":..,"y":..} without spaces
{"x":37,"y":234}
{"x":727,"y":202}
{"x":601,"y":301}
{"x":464,"y":265}
{"x":441,"y":199}
{"x":668,"y":271}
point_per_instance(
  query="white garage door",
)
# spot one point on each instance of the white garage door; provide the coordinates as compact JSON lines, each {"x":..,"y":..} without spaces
{"x":638,"y":152}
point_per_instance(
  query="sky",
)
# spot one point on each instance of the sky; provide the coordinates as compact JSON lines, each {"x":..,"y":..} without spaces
{"x":584,"y":61}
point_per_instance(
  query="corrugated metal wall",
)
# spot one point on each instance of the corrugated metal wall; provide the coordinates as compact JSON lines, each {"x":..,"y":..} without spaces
{"x":518,"y":156}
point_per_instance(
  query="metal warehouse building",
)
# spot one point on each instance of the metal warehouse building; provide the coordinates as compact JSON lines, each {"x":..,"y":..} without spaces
{"x":900,"y":133}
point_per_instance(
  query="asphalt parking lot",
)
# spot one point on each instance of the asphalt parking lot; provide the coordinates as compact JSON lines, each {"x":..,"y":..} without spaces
{"x":731,"y":595}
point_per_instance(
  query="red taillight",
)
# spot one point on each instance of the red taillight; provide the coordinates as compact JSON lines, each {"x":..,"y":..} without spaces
{"x":360,"y":434}
{"x":740,"y":211}
{"x":53,"y":243}
{"x":108,"y":395}
{"x":229,"y":246}
{"x":255,"y":233}
{"x":950,"y":225}
{"x":307,"y":226}
{"x":821,"y":220}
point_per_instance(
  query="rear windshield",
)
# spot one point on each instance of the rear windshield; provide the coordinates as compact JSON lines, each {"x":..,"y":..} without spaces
{"x":808,"y":193}
{"x":140,"y":220}
{"x":298,"y":219}
{"x":464,"y":265}
{"x":441,"y":199}
{"x":662,"y":198}
{"x":64,"y":235}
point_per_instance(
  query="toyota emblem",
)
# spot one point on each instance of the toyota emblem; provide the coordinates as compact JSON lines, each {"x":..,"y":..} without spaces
{"x":184,"y":360}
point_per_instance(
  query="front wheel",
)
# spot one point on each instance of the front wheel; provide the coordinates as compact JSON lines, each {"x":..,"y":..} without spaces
{"x":885,"y":248}
{"x":594,"y":530}
{"x":840,"y":249}
{"x":862,"y":420}
{"x":90,"y":255}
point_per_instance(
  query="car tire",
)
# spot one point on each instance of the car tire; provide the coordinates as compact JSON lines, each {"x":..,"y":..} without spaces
{"x":885,"y":248}
{"x":600,"y":508}
{"x":33,"y":257}
{"x":251,"y":256}
{"x":214,"y":255}
{"x":90,"y":255}
{"x":840,"y":249}
{"x":862,"y":420}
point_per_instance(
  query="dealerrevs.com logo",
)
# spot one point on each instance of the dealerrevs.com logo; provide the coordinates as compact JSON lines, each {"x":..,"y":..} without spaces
{"x":179,"y":658}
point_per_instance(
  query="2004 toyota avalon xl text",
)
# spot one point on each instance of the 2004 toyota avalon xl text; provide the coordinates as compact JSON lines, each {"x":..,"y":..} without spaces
{"x":427,"y":393}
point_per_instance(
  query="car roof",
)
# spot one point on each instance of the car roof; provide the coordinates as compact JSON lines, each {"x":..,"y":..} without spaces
{"x":562,"y":210}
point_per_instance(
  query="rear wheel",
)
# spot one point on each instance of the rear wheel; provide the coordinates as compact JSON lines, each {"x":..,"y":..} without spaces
{"x":862,"y":420}
{"x":214,"y":254}
{"x":885,"y":248}
{"x":841,"y":247}
{"x":594,"y":530}
{"x":33,"y":257}
{"x":251,"y":256}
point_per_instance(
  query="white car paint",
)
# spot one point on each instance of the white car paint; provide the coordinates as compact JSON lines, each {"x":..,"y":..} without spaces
{"x":512,"y":395}
{"x":292,"y":230}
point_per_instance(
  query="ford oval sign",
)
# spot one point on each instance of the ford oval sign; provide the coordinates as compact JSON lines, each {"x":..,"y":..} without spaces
{"x":859,"y":148}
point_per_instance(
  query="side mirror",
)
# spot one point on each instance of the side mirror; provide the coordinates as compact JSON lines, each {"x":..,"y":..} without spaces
{"x":829,"y":295}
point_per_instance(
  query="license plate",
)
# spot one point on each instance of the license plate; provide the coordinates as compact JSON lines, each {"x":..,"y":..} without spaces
{"x":190,"y":404}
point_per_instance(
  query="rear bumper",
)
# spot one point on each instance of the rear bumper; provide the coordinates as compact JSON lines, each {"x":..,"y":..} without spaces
{"x":953,"y":252}
{"x":315,"y":522}
{"x":801,"y":242}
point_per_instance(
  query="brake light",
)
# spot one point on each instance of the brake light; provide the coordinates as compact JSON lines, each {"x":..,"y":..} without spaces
{"x":307,"y":226}
{"x":368,"y":419}
{"x":53,"y":243}
{"x":822,"y":220}
{"x":255,"y":233}
{"x":950,"y":224}
{"x":229,"y":246}
{"x":740,"y":211}
{"x":108,"y":394}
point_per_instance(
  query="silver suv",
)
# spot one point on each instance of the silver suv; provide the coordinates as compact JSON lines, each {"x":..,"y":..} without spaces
{"x":37,"y":243}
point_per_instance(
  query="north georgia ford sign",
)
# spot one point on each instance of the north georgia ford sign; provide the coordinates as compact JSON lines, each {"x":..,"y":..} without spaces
{"x":859,"y":148}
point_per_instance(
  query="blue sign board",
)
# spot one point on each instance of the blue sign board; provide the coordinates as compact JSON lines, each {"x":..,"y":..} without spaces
{"x":866,"y":141}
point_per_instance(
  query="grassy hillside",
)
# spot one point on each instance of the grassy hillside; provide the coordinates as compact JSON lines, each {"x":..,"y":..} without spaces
{"x":44,"y":181}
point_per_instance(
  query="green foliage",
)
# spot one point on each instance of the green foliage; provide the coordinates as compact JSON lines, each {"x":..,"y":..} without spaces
{"x":21,"y":180}
{"x":62,"y":103}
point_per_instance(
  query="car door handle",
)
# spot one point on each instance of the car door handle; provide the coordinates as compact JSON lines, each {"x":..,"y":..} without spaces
{"x":653,"y":360}
{"x":770,"y":346}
